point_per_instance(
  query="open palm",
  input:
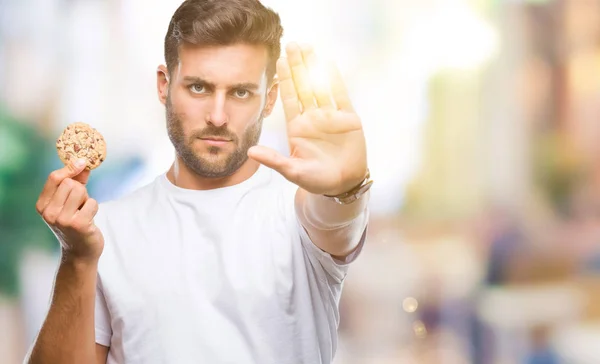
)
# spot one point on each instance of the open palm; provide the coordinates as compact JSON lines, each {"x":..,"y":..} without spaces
{"x":325,"y":135}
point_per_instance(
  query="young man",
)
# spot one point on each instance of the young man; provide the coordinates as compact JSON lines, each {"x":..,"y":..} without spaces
{"x":236,"y":254}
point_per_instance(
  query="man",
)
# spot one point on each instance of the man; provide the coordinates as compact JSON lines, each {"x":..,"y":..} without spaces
{"x":221,"y":259}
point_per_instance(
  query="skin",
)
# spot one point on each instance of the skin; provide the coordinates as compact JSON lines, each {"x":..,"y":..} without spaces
{"x":67,"y":334}
{"x":215,"y":93}
{"x":328,"y":151}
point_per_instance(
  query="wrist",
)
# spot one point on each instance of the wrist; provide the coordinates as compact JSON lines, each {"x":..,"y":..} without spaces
{"x":79,"y":263}
{"x":348,"y":185}
{"x":354,"y":193}
{"x":324,"y":213}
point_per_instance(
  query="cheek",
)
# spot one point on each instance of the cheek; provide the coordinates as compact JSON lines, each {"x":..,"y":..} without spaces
{"x":247,"y":123}
{"x":187,"y":109}
{"x":247,"y":114}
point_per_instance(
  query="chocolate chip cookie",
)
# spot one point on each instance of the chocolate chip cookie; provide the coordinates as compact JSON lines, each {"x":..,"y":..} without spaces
{"x":79,"y":140}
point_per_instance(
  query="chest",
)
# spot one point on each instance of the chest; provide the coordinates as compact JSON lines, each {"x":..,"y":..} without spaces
{"x":183,"y":272}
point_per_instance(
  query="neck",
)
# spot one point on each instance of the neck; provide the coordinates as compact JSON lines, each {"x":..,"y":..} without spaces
{"x":181,"y":176}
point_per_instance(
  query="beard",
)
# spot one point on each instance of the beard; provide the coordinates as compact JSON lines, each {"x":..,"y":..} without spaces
{"x":215,"y":162}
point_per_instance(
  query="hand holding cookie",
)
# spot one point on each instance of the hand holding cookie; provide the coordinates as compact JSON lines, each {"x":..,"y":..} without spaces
{"x":68,"y":210}
{"x":64,"y":203}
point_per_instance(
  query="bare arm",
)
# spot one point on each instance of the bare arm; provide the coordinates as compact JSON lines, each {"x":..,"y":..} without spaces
{"x":328,"y":153}
{"x":101,"y":354}
{"x":67,"y":335}
{"x":332,"y":227}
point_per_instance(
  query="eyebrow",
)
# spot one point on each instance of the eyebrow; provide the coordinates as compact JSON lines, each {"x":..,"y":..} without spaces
{"x":242,"y":85}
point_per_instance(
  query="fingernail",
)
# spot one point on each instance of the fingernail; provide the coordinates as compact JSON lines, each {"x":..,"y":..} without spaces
{"x":80,"y":163}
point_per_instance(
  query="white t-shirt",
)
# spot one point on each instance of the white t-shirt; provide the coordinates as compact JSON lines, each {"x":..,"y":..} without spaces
{"x":220,"y":276}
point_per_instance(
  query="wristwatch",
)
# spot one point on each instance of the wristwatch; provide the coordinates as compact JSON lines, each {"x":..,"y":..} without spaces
{"x":355,"y":193}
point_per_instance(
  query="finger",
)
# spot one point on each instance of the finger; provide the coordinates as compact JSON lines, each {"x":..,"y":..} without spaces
{"x":318,"y":77}
{"x":83,"y":221}
{"x":300,"y":76}
{"x":88,"y":211}
{"x":274,"y":160}
{"x":72,"y":169}
{"x":56,"y":204}
{"x":287,"y":90}
{"x":74,"y":201}
{"x":338,"y":90}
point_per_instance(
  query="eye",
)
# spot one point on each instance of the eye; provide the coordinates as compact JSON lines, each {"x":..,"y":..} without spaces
{"x":242,"y":94}
{"x":198,"y":88}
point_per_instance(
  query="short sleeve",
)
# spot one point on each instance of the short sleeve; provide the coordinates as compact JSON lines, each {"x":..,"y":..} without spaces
{"x":102,"y":317}
{"x":337,"y":269}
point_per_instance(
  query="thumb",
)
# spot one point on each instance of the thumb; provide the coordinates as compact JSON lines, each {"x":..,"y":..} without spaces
{"x":272,"y":159}
{"x":83,"y":176}
{"x":77,"y":171}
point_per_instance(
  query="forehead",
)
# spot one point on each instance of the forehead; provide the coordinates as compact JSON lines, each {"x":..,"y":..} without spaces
{"x":223,"y":64}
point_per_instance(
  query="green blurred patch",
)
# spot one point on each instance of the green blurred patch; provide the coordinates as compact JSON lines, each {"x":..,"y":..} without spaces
{"x":558,"y":169}
{"x":25,"y":161}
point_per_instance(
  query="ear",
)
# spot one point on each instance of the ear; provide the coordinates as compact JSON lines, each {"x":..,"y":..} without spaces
{"x":162,"y":83}
{"x":271,"y":98}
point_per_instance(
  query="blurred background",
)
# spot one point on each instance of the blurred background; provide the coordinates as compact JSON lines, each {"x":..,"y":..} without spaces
{"x":484,"y":141}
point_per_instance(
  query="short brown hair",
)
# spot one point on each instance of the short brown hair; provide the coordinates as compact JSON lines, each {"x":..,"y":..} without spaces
{"x":224,"y":22}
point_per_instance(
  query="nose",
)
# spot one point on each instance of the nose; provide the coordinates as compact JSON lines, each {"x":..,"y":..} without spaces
{"x":217,"y":114}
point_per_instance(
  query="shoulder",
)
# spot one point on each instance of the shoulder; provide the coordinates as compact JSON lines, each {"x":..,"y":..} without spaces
{"x":125,"y":205}
{"x":278,"y":183}
{"x":281,"y":192}
{"x":122,"y":222}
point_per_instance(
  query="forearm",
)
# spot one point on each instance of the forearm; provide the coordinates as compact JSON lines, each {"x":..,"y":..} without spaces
{"x":67,"y":335}
{"x":333,"y":227}
{"x":324,"y":213}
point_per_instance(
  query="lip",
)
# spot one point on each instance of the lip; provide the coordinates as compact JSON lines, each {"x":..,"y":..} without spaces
{"x":215,"y":141}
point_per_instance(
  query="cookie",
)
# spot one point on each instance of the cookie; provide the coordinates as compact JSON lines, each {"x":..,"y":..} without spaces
{"x":79,"y":140}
